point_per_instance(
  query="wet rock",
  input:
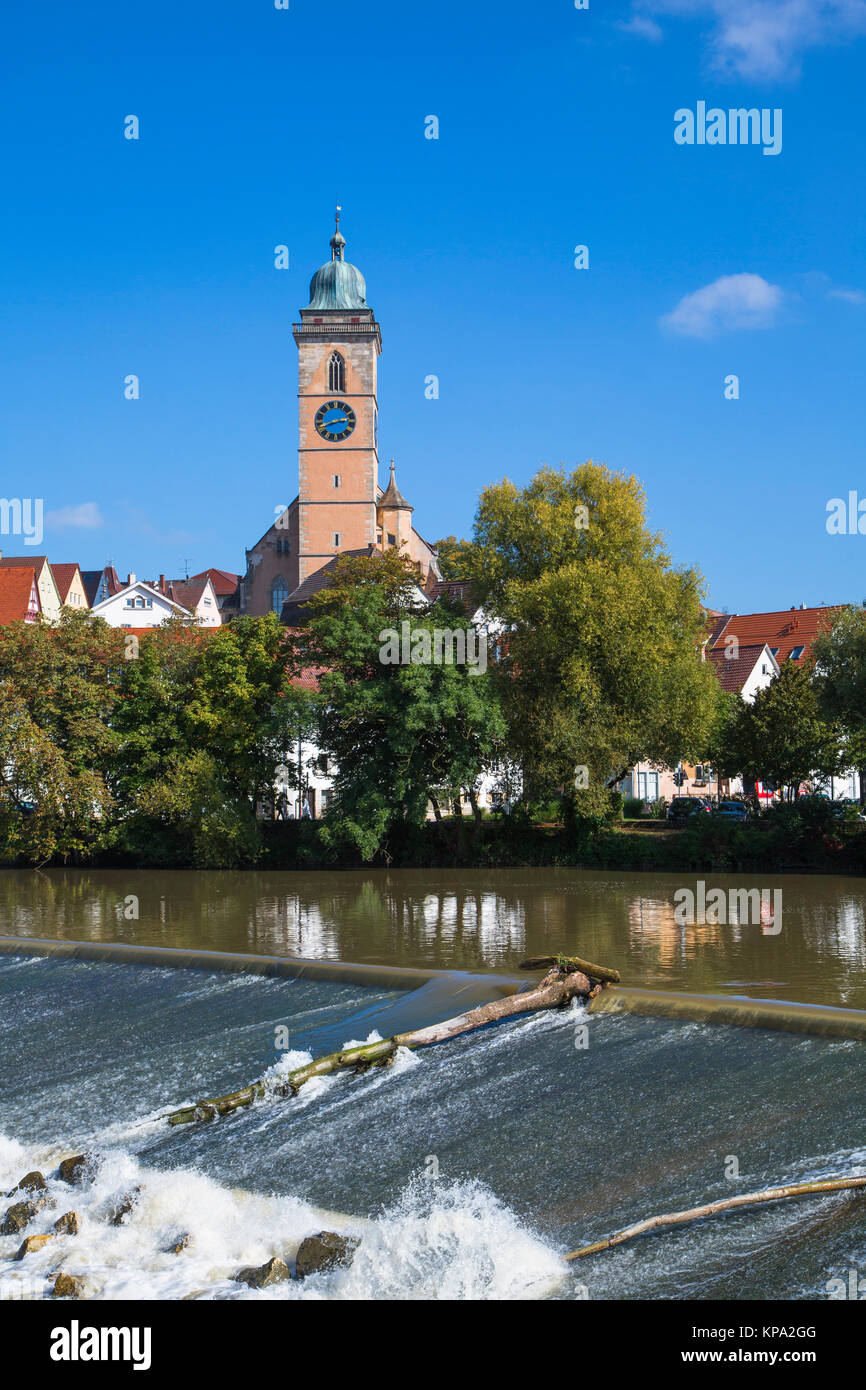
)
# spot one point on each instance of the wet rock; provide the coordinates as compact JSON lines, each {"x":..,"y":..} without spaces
{"x":122,"y":1208}
{"x":17,"y":1217}
{"x":326,"y":1250}
{"x":31,"y":1182}
{"x":177,"y":1247}
{"x":77,"y":1169}
{"x":262,"y":1276}
{"x":69,"y":1286}
{"x":67,"y":1224}
{"x":33,"y":1243}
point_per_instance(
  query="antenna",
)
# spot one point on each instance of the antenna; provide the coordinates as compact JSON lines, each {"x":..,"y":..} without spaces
{"x":185,"y":564}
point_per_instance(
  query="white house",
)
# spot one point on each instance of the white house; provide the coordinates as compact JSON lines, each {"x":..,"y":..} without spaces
{"x":138,"y":605}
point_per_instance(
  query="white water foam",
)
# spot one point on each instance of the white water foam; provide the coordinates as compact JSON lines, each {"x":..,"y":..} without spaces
{"x":440,"y":1240}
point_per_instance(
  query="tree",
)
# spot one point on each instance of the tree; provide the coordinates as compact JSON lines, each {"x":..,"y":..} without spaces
{"x":781,"y":737}
{"x":399,"y":723}
{"x":458,"y":559}
{"x":600,"y":664}
{"x":840,"y":678}
{"x":205,"y":720}
{"x":58,"y":694}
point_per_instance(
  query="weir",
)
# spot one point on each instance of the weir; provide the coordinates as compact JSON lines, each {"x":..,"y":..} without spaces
{"x":434,"y":995}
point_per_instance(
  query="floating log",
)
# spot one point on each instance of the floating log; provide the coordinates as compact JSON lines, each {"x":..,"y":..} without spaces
{"x":595,"y":972}
{"x":748,"y":1199}
{"x":556,"y":989}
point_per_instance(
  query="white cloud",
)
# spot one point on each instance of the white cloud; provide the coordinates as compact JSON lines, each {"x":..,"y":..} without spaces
{"x":851,"y":296}
{"x":763,"y":39}
{"x":731,"y":302}
{"x":86,"y":516}
{"x":642,"y":27}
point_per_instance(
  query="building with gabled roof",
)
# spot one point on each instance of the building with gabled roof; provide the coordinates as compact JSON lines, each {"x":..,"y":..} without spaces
{"x":100,"y":584}
{"x":19,"y":595}
{"x":138,"y":605}
{"x":742,"y":670}
{"x":788,"y":632}
{"x":49,"y":598}
{"x":70,"y":586}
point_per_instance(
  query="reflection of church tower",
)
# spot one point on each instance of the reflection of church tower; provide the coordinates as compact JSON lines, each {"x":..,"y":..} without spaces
{"x":339,"y":342}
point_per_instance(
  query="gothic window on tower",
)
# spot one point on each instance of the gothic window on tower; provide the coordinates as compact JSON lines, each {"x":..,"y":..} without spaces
{"x":336,"y":480}
{"x":279,"y":594}
{"x":336,"y":372}
{"x":337,"y":539}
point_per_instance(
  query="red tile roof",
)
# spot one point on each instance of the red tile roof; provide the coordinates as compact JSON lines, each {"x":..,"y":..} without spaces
{"x":785,"y":629}
{"x":224,"y":582}
{"x":733,"y":672}
{"x":63,"y":577}
{"x":17,"y":586}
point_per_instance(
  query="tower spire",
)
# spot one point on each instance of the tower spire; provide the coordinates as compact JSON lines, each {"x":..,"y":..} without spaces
{"x":338,"y":241}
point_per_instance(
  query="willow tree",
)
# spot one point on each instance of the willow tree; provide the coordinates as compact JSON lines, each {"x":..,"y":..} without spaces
{"x":601,"y":664}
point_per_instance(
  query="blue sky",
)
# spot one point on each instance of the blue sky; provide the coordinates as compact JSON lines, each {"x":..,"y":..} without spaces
{"x":155,"y":257}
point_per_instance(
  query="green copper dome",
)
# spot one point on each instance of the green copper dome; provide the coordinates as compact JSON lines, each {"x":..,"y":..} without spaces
{"x":338,"y":284}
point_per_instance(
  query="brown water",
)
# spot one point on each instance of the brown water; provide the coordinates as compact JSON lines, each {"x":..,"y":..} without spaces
{"x":474,"y":919}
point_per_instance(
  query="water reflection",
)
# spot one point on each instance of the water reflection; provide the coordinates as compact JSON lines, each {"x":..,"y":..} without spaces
{"x":468,"y":919}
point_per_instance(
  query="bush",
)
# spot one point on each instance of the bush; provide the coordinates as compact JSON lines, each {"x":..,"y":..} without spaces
{"x":632,"y":808}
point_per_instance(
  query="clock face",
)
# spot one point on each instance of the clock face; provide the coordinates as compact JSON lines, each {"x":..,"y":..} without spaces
{"x":335,"y":421}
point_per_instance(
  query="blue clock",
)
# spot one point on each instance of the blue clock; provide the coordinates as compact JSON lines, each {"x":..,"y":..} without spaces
{"x":335,"y":421}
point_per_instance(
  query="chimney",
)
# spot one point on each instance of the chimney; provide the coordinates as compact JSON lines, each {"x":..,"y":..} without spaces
{"x":130,"y":579}
{"x":162,"y":583}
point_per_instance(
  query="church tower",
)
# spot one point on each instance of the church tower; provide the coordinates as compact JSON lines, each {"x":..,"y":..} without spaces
{"x":339,"y":342}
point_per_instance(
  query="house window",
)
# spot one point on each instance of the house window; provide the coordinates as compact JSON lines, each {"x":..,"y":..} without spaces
{"x":796,"y":653}
{"x":336,"y":372}
{"x":336,"y":480}
{"x":279,"y":594}
{"x":648,"y":786}
{"x":337,"y":539}
{"x":392,"y":540}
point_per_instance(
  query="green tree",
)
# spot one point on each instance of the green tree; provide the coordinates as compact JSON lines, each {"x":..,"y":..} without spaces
{"x":840,"y":677}
{"x":58,"y":694}
{"x":600,"y":660}
{"x":781,"y":737}
{"x":458,"y":559}
{"x":397,"y":732}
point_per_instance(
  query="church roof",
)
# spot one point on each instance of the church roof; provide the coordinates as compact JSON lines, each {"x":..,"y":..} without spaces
{"x":392,"y":498}
{"x":338,"y":284}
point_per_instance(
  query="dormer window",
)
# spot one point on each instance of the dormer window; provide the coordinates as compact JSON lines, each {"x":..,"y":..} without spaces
{"x":336,"y":372}
{"x":796,"y":653}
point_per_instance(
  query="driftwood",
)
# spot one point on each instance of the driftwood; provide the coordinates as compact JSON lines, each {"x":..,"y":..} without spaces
{"x":748,"y":1199}
{"x":556,"y":989}
{"x":567,"y":963}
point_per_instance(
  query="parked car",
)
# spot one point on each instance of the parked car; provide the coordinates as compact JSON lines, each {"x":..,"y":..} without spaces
{"x":732,"y":810}
{"x":684,"y":807}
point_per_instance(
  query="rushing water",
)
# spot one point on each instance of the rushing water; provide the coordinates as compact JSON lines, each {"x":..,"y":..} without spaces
{"x":467,"y":1171}
{"x":470,"y":919}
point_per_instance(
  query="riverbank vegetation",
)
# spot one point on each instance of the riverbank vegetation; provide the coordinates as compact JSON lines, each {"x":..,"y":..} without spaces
{"x":177,"y":748}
